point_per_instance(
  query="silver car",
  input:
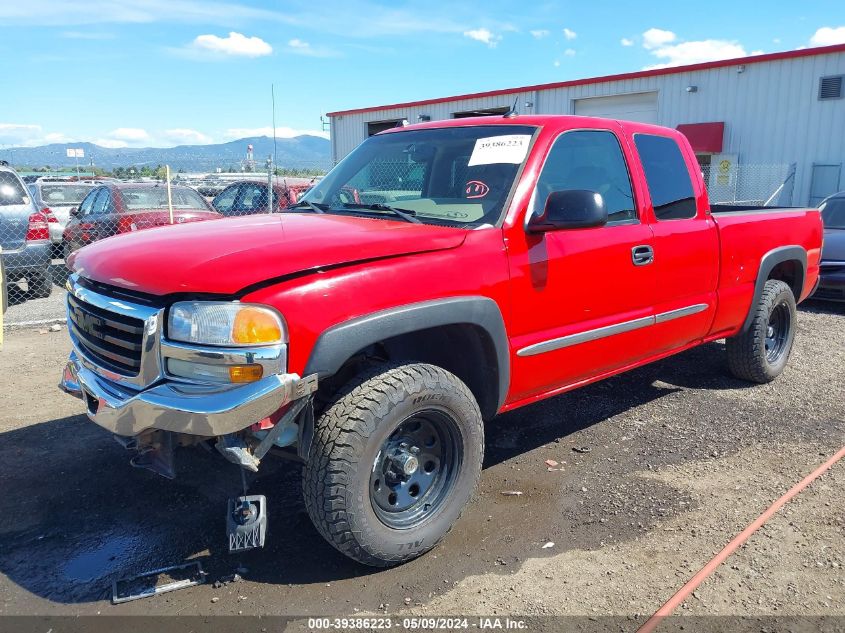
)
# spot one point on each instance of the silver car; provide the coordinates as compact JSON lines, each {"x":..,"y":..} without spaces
{"x":24,"y":237}
{"x":60,"y":197}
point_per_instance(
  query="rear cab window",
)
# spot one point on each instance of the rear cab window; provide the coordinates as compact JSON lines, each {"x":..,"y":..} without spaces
{"x":667,"y":176}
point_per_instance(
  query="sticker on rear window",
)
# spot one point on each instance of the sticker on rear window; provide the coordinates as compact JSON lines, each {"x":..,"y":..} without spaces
{"x":510,"y":148}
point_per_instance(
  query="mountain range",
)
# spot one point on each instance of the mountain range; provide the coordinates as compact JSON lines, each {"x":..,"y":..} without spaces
{"x":299,"y":152}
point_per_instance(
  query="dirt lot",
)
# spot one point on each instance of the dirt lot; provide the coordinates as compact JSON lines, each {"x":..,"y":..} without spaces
{"x":660,"y":468}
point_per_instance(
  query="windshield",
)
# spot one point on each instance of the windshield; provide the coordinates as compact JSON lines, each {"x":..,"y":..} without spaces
{"x":156,"y":198}
{"x":833,"y":213}
{"x":64,"y":195}
{"x":455,"y":176}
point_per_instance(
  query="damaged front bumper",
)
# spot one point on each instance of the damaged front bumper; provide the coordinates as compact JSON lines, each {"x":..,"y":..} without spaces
{"x":190,"y":409}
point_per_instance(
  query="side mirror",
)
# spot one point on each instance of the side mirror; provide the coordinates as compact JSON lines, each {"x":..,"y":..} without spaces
{"x":74,"y":212}
{"x":569,"y":209}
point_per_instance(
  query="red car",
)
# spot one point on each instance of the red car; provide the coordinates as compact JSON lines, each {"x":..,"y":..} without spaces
{"x":482,"y":265}
{"x":123,"y":207}
{"x":248,"y":197}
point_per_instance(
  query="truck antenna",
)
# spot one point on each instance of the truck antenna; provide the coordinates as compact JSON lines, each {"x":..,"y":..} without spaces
{"x":512,"y":112}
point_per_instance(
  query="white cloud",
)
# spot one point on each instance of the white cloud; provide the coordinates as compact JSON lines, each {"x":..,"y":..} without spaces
{"x":131,"y":134}
{"x":110,"y":143}
{"x":29,"y":135}
{"x":569,"y":52}
{"x":653,"y":38}
{"x":299,"y":47}
{"x":569,"y":34}
{"x":776,"y":40}
{"x":87,"y":35}
{"x":539,"y":34}
{"x":62,"y":13}
{"x":696,"y":52}
{"x":281,"y":132}
{"x":827,"y":36}
{"x":187,"y":136}
{"x":758,"y":52}
{"x":18,"y":133}
{"x":483,"y":35}
{"x":235,"y":45}
{"x":626,"y":42}
{"x":556,"y":63}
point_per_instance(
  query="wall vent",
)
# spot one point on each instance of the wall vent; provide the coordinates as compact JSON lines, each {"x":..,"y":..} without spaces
{"x":831,"y":87}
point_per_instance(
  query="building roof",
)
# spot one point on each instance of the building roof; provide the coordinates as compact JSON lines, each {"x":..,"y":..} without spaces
{"x":751,"y":59}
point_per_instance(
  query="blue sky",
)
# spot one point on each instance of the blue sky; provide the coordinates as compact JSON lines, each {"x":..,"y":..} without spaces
{"x":168,"y":72}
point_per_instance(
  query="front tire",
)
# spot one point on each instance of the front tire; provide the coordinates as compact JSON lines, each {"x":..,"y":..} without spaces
{"x":394,"y":460}
{"x":760,"y":353}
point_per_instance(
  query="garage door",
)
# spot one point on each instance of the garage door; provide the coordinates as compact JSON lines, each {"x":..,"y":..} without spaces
{"x":641,"y":107}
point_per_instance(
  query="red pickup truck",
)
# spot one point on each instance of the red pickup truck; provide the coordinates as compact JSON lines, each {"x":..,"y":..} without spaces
{"x":441,"y":274}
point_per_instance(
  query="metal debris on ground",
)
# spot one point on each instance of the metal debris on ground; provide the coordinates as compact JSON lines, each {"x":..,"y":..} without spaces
{"x":511,"y":493}
{"x":548,"y":545}
{"x":581,"y":449}
{"x":144,"y":585}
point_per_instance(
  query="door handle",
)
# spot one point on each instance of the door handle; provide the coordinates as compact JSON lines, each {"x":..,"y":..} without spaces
{"x":642,"y":255}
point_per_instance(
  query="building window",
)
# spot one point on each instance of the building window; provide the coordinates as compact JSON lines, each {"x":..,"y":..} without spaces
{"x":374,"y":127}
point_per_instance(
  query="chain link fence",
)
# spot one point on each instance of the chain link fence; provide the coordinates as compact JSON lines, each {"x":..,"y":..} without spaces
{"x":752,"y":185}
{"x":47,"y":215}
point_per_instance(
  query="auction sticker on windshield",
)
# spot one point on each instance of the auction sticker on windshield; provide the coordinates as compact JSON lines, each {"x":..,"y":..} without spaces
{"x":510,"y":148}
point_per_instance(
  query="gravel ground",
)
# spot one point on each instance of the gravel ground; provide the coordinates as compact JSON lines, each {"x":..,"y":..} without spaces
{"x":659,"y":468}
{"x":25,"y":309}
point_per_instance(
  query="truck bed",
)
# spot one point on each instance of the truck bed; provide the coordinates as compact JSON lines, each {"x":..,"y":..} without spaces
{"x":746,"y":235}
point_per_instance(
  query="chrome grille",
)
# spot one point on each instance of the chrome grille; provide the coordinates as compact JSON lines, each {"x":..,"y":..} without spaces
{"x":113,"y":335}
{"x":109,"y":339}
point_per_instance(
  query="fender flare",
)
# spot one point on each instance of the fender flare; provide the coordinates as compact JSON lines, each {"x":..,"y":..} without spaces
{"x":338,"y":343}
{"x":767,"y":264}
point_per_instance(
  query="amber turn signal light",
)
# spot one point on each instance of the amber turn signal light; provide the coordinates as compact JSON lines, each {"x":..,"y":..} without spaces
{"x":245,"y":373}
{"x":254,"y":326}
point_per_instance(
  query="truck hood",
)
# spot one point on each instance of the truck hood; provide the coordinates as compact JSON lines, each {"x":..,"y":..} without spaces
{"x":228,"y":255}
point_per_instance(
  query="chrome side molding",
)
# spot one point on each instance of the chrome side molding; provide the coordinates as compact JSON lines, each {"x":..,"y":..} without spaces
{"x":609,"y":330}
{"x":680,"y":312}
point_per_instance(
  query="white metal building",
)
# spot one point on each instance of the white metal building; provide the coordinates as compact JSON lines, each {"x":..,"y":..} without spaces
{"x":764,"y":124}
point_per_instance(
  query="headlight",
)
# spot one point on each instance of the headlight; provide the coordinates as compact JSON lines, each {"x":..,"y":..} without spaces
{"x":224,"y":323}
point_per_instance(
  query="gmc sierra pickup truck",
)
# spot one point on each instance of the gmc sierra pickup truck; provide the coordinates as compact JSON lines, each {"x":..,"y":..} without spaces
{"x":442,"y":273}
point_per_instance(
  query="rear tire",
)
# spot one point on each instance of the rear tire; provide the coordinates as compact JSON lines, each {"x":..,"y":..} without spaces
{"x":760,"y":353}
{"x":40,"y":284}
{"x":394,"y":460}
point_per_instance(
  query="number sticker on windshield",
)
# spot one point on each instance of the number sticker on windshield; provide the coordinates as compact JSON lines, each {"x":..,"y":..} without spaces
{"x":511,"y":148}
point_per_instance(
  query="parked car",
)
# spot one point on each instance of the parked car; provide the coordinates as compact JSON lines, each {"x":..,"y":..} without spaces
{"x":123,"y":207}
{"x":57,"y":199}
{"x":247,"y":197}
{"x":487,"y":264}
{"x":832,"y":269}
{"x":25,"y":238}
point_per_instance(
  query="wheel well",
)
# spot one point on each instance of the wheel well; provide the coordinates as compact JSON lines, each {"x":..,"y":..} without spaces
{"x":790,"y":272}
{"x":463,"y":349}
